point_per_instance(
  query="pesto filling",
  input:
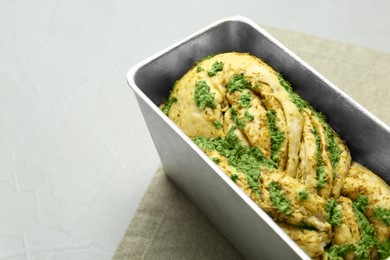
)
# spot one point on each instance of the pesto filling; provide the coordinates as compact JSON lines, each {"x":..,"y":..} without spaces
{"x":382,"y":214}
{"x":277,"y":136}
{"x":237,"y":82}
{"x":202,"y":95}
{"x":367,"y":232}
{"x":278,"y":199}
{"x":320,"y":172}
{"x":171,"y":99}
{"x":333,"y":212}
{"x":167,"y":106}
{"x":215,"y":159}
{"x":241,"y":122}
{"x":304,"y":225}
{"x":338,"y":252}
{"x":294,"y":97}
{"x":332,"y":147}
{"x":245,"y":159}
{"x":245,"y":99}
{"x":199,"y":69}
{"x":207,"y":57}
{"x":234,"y":177}
{"x":256,"y":86}
{"x":217,"y":66}
{"x":361,"y":203}
{"x":217,"y":124}
{"x":303,"y":194}
{"x":368,"y":238}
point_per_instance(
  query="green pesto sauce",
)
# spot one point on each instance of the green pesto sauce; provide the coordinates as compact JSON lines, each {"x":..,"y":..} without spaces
{"x":333,"y":212}
{"x":278,"y":199}
{"x":215,"y":159}
{"x":361,"y":203}
{"x":256,"y":86}
{"x":245,"y":159}
{"x":304,"y":225}
{"x":241,"y":122}
{"x":277,"y":136}
{"x":294,"y":97}
{"x":165,"y":109}
{"x":171,"y":99}
{"x":338,"y":252}
{"x":217,"y":66}
{"x":303,"y":194}
{"x":384,"y":249}
{"x":382,"y":214}
{"x":332,"y":147}
{"x":217,"y":124}
{"x":245,"y":99}
{"x":207,"y":57}
{"x":320,"y":172}
{"x":202,"y":95}
{"x":234,"y":177}
{"x":237,"y":82}
{"x":199,"y":69}
{"x":368,"y":238}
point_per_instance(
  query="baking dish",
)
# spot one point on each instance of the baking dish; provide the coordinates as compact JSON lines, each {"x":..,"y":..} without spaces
{"x":246,"y":225}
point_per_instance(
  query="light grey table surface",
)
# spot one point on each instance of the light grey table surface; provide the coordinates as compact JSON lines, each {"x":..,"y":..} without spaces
{"x":75,"y":154}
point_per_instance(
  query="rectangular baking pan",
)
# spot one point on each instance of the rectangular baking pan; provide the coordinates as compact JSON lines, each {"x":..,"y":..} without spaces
{"x":242,"y":222}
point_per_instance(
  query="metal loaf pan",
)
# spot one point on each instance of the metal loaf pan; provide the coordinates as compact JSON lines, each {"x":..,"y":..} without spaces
{"x":246,"y":225}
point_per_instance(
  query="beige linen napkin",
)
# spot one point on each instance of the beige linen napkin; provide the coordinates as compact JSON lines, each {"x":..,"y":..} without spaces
{"x":168,"y":225}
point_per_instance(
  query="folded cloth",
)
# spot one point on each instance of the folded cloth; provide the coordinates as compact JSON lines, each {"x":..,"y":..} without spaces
{"x":168,"y":225}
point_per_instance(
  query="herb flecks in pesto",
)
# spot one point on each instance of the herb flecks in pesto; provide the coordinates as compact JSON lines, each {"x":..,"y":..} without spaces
{"x":333,"y":148}
{"x":368,"y":238}
{"x":217,"y":124}
{"x":234,"y":177}
{"x":217,"y":66}
{"x":245,"y":159}
{"x":304,"y":225}
{"x":338,"y":252}
{"x":199,"y":69}
{"x":320,"y":172}
{"x":294,"y":97}
{"x":167,"y":106}
{"x":207,"y":57}
{"x":171,"y":99}
{"x":202,"y":95}
{"x":333,"y":212}
{"x":215,"y":159}
{"x":382,"y":214}
{"x":303,"y":194}
{"x":245,"y":99}
{"x":384,"y":249}
{"x":277,"y":136}
{"x":278,"y":199}
{"x":237,"y":82}
{"x":256,"y":86}
{"x":361,"y":203}
{"x":240,"y":122}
